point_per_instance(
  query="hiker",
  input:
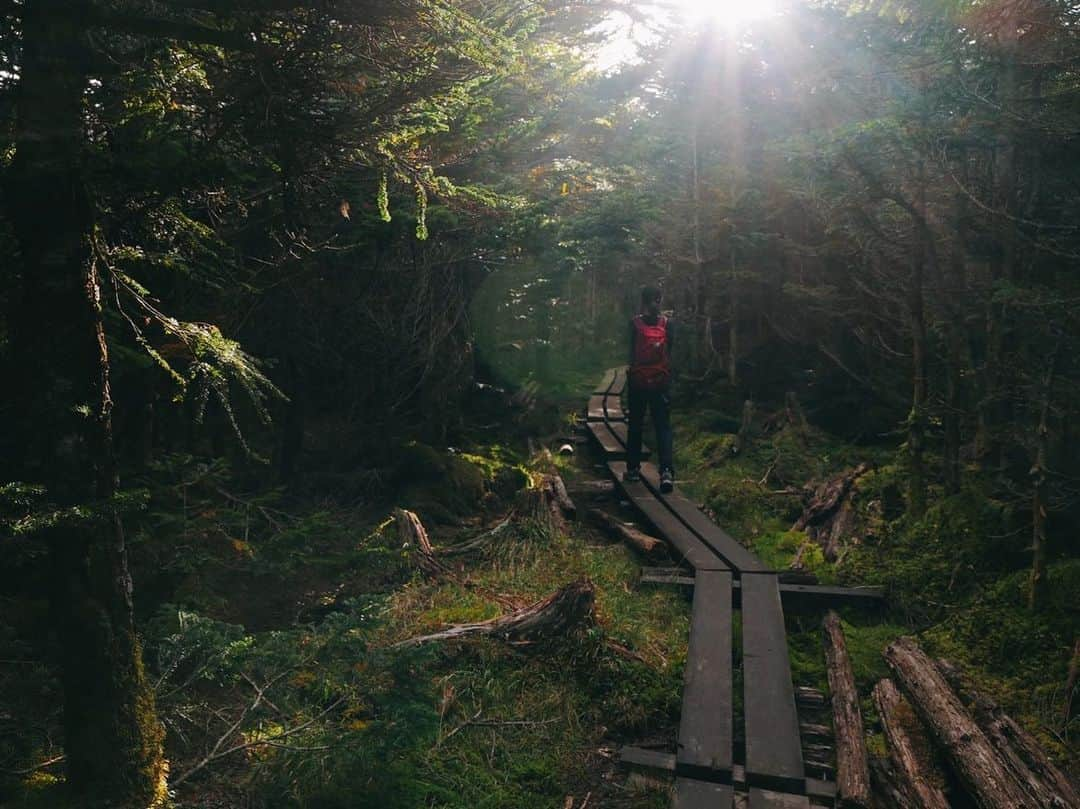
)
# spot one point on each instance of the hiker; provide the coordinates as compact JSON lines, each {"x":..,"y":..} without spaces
{"x":649,"y":383}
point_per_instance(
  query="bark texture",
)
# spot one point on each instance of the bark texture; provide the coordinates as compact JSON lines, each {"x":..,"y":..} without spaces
{"x":1024,"y":758}
{"x":917,"y":775}
{"x":852,"y":765}
{"x":414,"y":537}
{"x":969,"y":750}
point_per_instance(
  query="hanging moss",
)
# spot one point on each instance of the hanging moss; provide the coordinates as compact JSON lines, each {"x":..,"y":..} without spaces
{"x":421,"y":213}
{"x":383,"y":199}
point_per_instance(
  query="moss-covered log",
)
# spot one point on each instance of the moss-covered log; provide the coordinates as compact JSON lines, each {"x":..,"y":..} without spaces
{"x":972,"y":755}
{"x":1025,"y":760}
{"x":852,"y":765}
{"x":917,"y":776}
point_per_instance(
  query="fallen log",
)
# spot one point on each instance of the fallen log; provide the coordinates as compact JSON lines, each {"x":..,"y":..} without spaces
{"x":972,"y":755}
{"x":1024,"y":758}
{"x":558,"y":489}
{"x":647,"y":546}
{"x":414,"y":538}
{"x":890,"y":790}
{"x":909,"y":749}
{"x":551,"y":617}
{"x":852,"y":765}
{"x":591,"y":487}
{"x":829,"y":518}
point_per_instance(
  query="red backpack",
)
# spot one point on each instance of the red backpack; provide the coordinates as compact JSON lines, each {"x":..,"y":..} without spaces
{"x":651,"y":369}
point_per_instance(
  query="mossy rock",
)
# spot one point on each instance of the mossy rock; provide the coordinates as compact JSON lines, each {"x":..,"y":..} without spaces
{"x":442,"y":487}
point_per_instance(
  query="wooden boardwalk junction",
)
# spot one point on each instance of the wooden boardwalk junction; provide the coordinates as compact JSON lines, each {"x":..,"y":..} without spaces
{"x":729,"y":583}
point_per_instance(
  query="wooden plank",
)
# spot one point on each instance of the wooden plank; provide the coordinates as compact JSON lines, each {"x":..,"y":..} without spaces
{"x":684,"y":543}
{"x":595,"y":410}
{"x":643,"y":759}
{"x":693,"y":794}
{"x":612,"y":438}
{"x":608,"y":442}
{"x":618,"y":384}
{"x":706,"y":726}
{"x":605,"y":383}
{"x":766,"y":799}
{"x":773,"y":747}
{"x":617,"y":437}
{"x":613,"y":408}
{"x":795,"y":597}
{"x":737,"y":557}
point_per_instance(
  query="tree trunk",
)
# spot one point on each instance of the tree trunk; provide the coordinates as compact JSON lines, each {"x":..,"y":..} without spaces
{"x":917,"y":315}
{"x":971,"y":753}
{"x":1024,"y":759}
{"x":956,"y":291}
{"x":113,"y":740}
{"x":852,"y":766}
{"x":1071,"y":681}
{"x":1039,"y":503}
{"x":909,"y":747}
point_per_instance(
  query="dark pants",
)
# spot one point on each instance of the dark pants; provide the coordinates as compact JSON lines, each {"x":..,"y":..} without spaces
{"x":658,"y":403}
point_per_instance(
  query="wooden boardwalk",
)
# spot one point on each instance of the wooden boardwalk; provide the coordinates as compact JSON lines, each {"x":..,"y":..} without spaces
{"x":730,"y":583}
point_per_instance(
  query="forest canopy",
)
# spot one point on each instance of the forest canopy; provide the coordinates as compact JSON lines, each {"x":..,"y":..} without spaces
{"x":273,"y":270}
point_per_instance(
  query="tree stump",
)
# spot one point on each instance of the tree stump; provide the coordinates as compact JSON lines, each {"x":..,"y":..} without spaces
{"x":552,"y":617}
{"x":415,"y":539}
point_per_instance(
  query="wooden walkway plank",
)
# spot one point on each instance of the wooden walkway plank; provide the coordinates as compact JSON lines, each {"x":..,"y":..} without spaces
{"x":684,"y":543}
{"x":595,"y":410}
{"x":612,"y":438}
{"x":605,"y":383}
{"x":644,"y":759}
{"x":608,"y":442}
{"x":613,"y":408}
{"x":773,"y":747}
{"x":799,"y":598}
{"x":693,"y":794}
{"x":706,"y":727}
{"x":764,"y":799}
{"x":736,"y":556}
{"x":618,"y":384}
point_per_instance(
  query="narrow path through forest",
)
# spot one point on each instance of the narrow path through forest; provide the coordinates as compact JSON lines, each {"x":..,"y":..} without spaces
{"x":726,"y":575}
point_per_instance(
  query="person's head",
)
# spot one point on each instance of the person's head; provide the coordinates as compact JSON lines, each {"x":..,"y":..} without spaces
{"x":650,"y":300}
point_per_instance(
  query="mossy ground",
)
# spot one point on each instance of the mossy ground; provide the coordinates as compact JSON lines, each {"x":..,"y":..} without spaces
{"x":322,"y":594}
{"x":957,"y":577}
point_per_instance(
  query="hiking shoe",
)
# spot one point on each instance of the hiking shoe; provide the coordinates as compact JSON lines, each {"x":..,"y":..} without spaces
{"x":631,"y":476}
{"x":667,"y":481}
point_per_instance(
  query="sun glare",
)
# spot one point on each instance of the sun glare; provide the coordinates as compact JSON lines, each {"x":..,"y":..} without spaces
{"x":625,"y":36}
{"x":726,"y":12}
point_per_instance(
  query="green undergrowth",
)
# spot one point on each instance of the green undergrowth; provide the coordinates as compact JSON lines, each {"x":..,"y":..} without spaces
{"x":304,"y":603}
{"x":957,"y":576}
